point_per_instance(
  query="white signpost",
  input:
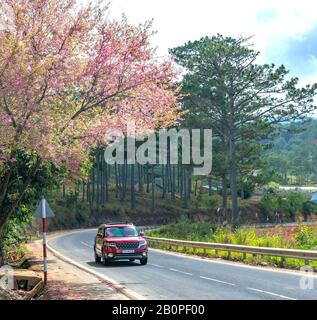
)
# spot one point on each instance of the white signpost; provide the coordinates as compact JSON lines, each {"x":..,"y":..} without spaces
{"x":44,"y":211}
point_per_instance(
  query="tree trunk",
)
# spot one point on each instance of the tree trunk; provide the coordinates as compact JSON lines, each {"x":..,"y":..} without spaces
{"x":132,"y":187}
{"x":189,"y":184}
{"x":181,"y":187}
{"x":116,"y":169}
{"x":93,"y":184}
{"x":97,"y":181}
{"x":163,"y":182}
{"x":140,"y":183}
{"x":233,"y":182}
{"x":173,"y":182}
{"x":107,"y":176}
{"x":88,"y":191}
{"x":196,"y":187}
{"x":185,"y":188}
{"x":83,"y":189}
{"x":153,"y":185}
{"x":178,"y":179}
{"x":147,"y":179}
{"x":224,"y":197}
{"x":242,"y":193}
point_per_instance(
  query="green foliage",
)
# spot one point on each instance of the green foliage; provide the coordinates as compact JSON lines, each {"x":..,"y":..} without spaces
{"x":226,"y":90}
{"x":198,"y":231}
{"x":69,"y":212}
{"x":306,"y":238}
{"x":14,"y":235}
{"x":288,"y":203}
{"x":46,"y":178}
{"x":184,"y":229}
{"x":294,"y":154}
{"x":272,"y":187}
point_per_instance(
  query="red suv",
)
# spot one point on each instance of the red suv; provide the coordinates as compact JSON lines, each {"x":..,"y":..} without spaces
{"x":120,"y":242}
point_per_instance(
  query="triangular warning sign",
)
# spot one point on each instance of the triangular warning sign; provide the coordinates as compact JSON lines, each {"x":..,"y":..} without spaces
{"x":49,"y":211}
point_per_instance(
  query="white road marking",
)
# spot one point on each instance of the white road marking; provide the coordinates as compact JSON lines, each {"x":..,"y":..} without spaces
{"x":155,"y":265}
{"x":271,"y":293}
{"x":216,"y":280}
{"x":179,"y":271}
{"x":86,"y":244}
{"x":230,"y":263}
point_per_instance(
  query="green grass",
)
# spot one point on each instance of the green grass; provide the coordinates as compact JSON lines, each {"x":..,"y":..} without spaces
{"x":306,"y":239}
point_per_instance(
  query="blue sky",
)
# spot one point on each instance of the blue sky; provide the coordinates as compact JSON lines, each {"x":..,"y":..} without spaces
{"x":285,"y":31}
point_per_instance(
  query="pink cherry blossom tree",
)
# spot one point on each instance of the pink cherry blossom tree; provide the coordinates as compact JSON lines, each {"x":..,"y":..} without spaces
{"x":67,"y":75}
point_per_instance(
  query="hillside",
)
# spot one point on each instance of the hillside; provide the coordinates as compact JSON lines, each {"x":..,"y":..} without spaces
{"x":294,"y":154}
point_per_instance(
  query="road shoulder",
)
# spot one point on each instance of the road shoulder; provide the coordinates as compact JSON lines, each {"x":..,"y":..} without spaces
{"x":66,"y":282}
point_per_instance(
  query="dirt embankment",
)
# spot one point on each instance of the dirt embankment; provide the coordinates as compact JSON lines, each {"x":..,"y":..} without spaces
{"x":287,"y":233}
{"x":66,"y":282}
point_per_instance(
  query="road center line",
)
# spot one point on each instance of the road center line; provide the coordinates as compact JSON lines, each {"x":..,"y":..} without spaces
{"x":179,"y":271}
{"x":216,"y":280}
{"x":155,"y":265}
{"x":86,"y":244}
{"x":271,"y":293}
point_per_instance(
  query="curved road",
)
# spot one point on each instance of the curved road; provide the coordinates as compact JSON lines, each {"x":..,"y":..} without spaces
{"x":168,"y":276}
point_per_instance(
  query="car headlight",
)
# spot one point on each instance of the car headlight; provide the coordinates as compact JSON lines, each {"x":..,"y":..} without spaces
{"x":142,"y":243}
{"x":111,"y":244}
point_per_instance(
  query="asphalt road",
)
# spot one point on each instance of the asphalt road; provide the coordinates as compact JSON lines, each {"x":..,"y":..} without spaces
{"x":169,"y":276}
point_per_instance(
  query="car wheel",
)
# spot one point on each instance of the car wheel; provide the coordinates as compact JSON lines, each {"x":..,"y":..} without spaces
{"x":143,"y":261}
{"x":97,"y":258}
{"x":105,"y":260}
{"x":132,"y":260}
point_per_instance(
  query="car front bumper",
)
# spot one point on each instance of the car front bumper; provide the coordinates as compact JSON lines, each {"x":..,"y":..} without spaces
{"x":126,"y":256}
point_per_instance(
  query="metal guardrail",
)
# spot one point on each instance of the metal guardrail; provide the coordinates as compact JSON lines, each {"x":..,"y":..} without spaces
{"x":284,"y":224}
{"x":264,"y":251}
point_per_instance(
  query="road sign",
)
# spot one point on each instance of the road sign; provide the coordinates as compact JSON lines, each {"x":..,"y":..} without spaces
{"x":44,"y":211}
{"x":48,"y":211}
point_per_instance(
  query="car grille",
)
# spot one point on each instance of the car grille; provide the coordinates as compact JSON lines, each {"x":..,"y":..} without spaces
{"x":127,"y":245}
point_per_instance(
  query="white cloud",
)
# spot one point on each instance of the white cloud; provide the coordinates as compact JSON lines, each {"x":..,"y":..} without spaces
{"x":272,"y":23}
{"x":178,"y":21}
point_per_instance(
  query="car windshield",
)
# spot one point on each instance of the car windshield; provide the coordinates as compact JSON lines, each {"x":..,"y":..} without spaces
{"x":121,"y":232}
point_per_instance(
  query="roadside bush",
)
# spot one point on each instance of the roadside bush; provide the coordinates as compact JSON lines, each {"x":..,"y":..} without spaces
{"x":288,"y":203}
{"x":14,"y":235}
{"x":306,"y":239}
{"x":272,"y":187}
{"x":185,"y":229}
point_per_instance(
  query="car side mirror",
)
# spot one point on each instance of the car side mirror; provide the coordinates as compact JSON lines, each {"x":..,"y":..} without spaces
{"x":141,"y":233}
{"x":99,"y":235}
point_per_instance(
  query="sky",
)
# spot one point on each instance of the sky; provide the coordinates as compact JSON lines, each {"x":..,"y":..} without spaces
{"x":284,"y":31}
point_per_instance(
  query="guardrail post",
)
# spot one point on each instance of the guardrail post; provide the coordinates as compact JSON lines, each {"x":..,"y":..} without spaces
{"x":229,"y":255}
{"x":282,"y":261}
{"x":216,"y":253}
{"x":244,"y":256}
{"x":306,"y":262}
